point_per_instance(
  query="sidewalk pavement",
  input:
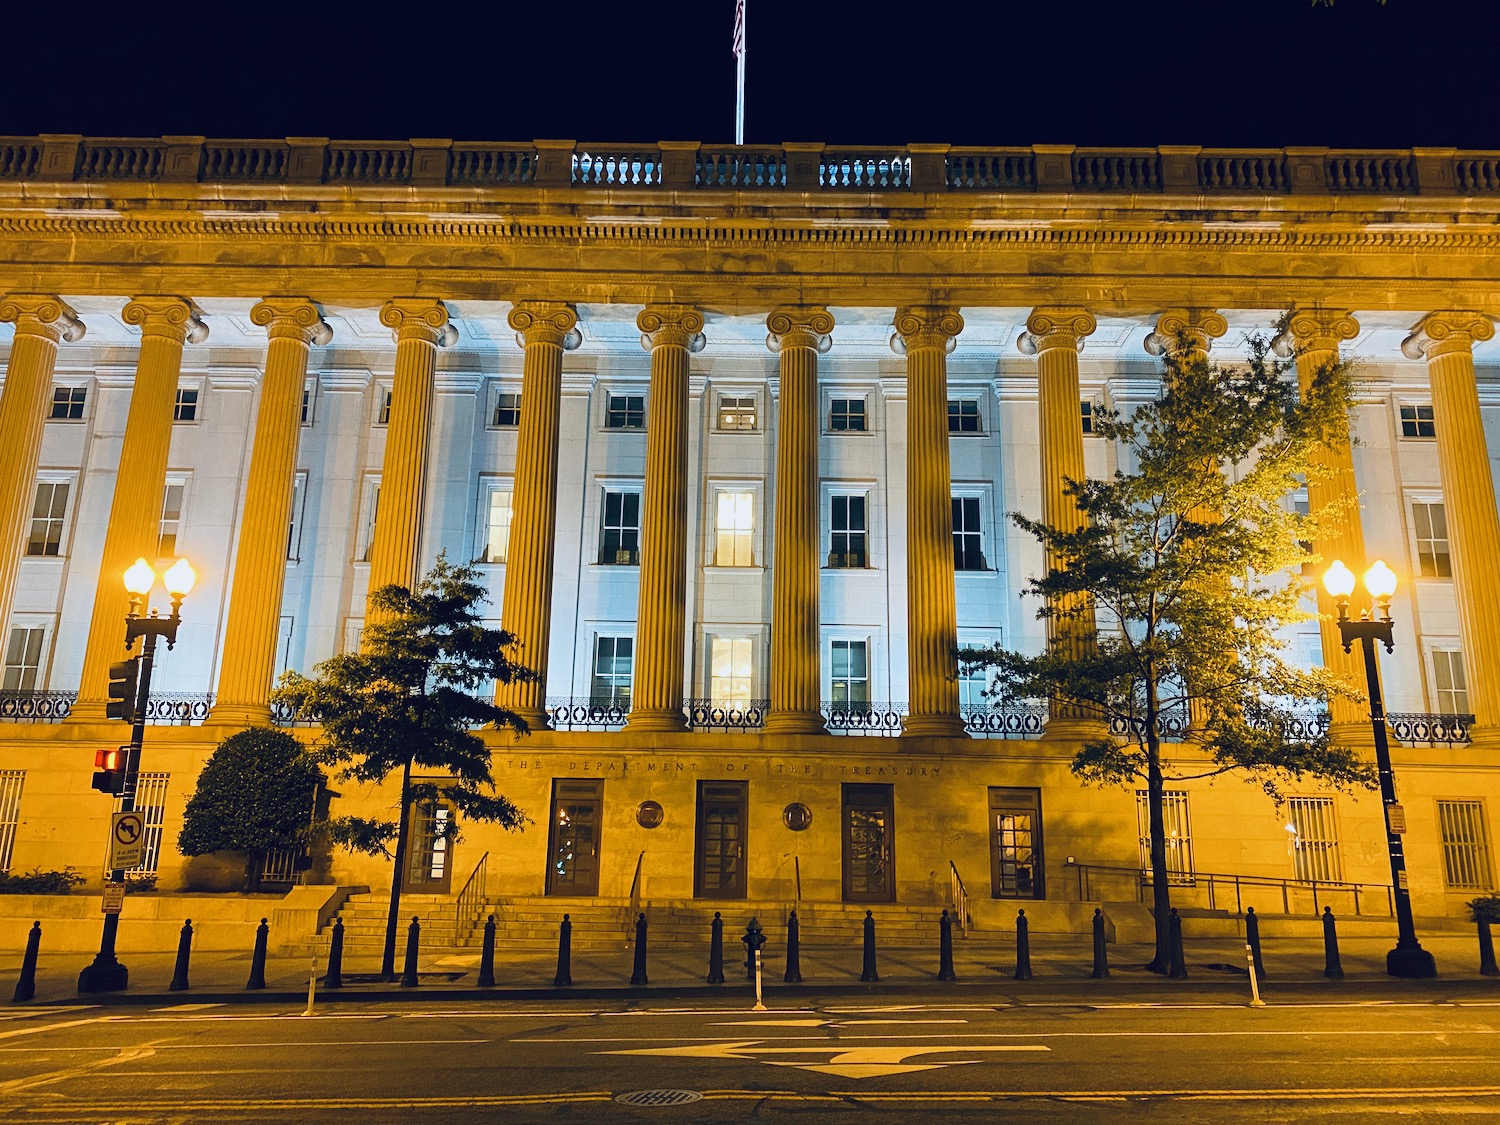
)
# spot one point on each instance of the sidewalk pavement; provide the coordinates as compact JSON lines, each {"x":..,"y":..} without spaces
{"x":984,"y":963}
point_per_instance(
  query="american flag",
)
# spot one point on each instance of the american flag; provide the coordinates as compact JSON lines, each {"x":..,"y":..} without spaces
{"x":739,"y":28}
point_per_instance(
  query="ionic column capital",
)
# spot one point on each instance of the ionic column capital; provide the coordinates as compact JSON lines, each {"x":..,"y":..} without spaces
{"x":1444,"y":333}
{"x":921,"y":327}
{"x":1056,"y":328}
{"x":545,"y":322}
{"x":172,"y":318}
{"x":1182,"y":330}
{"x":418,"y":318}
{"x":1314,"y":330}
{"x":36,"y":315}
{"x":667,"y":326}
{"x":800,"y":326}
{"x":292,"y":318}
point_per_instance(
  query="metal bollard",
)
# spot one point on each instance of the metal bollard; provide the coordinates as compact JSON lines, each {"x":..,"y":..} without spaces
{"x":184,"y":954}
{"x":638,"y":973}
{"x":1252,"y":939}
{"x":1333,"y":968}
{"x":716,"y":951}
{"x":754,"y":939}
{"x":945,"y":948}
{"x":1101,"y":950}
{"x":258,"y":958}
{"x":335,"y":975}
{"x":869,"y":973}
{"x":487,"y":956}
{"x":413,"y":940}
{"x":26,"y":985}
{"x":1023,"y":947}
{"x":793,"y":974}
{"x":1178,"y":970}
{"x":564,"y":954}
{"x":1487,"y":966}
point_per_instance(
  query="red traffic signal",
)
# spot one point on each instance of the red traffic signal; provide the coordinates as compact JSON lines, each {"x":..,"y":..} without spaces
{"x":109,"y":774}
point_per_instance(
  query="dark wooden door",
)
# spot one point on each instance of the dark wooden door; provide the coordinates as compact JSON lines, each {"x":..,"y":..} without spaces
{"x":722,"y":808}
{"x":869,"y":844}
{"x":1016,"y":843}
{"x":573,"y":837}
{"x":429,"y":858}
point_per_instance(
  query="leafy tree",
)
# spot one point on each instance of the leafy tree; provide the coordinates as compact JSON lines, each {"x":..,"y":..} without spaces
{"x":406,"y":701}
{"x":1189,"y":565}
{"x":255,"y":795}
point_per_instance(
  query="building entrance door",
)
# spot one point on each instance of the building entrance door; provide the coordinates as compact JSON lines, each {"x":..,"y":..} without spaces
{"x":869,"y":844}
{"x":1016,"y":843}
{"x":573,"y":837}
{"x":429,"y":867}
{"x":721,"y":839}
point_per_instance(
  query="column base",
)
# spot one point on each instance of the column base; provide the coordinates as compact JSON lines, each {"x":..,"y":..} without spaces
{"x":1075,"y":730}
{"x":239,"y":715}
{"x":87,"y":711}
{"x":1355,"y":736}
{"x":795,"y":722}
{"x":655,"y":719}
{"x":1413,"y":962}
{"x":1484,"y":738}
{"x":533,"y":718}
{"x":934,"y":726}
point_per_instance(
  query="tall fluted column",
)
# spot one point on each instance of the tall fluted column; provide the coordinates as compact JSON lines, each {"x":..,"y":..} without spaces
{"x":166,"y":324}
{"x":1313,"y":336}
{"x":421,"y":327}
{"x":797,"y":335}
{"x":1055,"y":336}
{"x":41,"y":322}
{"x":545,"y":331}
{"x":293,"y":325}
{"x":1447,"y":341}
{"x":670,"y":332}
{"x":927,"y":335}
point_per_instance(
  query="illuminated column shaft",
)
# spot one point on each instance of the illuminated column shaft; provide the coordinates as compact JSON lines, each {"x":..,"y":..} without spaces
{"x":1054,"y":336}
{"x":670,"y":332}
{"x":545,"y":332}
{"x":41,"y":322}
{"x":932,"y":610}
{"x":293,"y":325}
{"x":166,"y":324}
{"x":1447,"y":341}
{"x":798,"y":335}
{"x":421,"y":326}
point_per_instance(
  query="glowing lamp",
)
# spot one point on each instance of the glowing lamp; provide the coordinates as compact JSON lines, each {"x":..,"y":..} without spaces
{"x":1340,"y":580}
{"x":180,"y":578}
{"x":1380,"y":580}
{"x":139,"y":578}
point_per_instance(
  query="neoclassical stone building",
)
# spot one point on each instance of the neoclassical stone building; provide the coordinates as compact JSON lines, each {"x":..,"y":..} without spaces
{"x":733,"y":434}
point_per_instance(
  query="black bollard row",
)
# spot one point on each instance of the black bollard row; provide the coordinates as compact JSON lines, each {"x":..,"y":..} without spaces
{"x":258,"y":958}
{"x":1333,"y":968}
{"x":1178,"y":969}
{"x":1023,"y":947}
{"x":638,"y":971}
{"x":409,"y":969}
{"x":335,"y":977}
{"x":716,"y":951}
{"x":1101,"y":950}
{"x":1252,"y":939}
{"x":487,"y":956}
{"x":184,"y":953}
{"x":945,"y":948}
{"x":793,"y":974}
{"x":868,"y":973}
{"x":564,"y":954}
{"x":26,"y":985}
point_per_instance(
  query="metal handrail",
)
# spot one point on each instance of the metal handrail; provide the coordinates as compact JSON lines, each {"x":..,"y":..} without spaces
{"x":471,"y":901}
{"x":1322,"y":891}
{"x":635,"y":887}
{"x":959,"y":894}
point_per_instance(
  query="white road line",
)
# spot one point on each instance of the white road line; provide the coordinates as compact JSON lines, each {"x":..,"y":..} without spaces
{"x":1291,"y":1034}
{"x":37,"y":1028}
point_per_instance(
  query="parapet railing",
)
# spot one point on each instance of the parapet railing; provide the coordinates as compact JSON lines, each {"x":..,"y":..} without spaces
{"x":808,"y":168}
{"x":1234,"y":893}
{"x":163,"y":709}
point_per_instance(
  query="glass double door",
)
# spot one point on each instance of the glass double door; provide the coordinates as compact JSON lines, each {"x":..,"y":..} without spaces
{"x":869,"y":844}
{"x":573,"y":837}
{"x":720,"y":868}
{"x":1016,"y":843}
{"x":429,"y":856}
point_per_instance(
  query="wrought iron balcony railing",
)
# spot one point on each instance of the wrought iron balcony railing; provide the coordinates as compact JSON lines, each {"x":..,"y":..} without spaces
{"x":163,"y":709}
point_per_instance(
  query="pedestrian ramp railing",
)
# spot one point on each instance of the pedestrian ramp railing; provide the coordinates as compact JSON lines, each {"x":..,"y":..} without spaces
{"x":1268,"y":894}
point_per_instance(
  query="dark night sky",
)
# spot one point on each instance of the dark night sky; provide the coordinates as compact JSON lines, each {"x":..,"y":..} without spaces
{"x":1130,"y":72}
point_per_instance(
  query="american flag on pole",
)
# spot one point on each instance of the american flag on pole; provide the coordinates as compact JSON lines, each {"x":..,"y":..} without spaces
{"x":738,"y":48}
{"x":739,"y":28}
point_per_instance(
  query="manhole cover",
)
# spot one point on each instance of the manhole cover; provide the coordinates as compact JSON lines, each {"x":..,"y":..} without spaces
{"x":659,"y":1097}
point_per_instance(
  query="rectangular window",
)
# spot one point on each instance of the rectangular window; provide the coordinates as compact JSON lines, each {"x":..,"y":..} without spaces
{"x":973,"y":681}
{"x":1432,"y":540}
{"x":620,"y":529}
{"x":67,"y":403}
{"x":849,"y":540}
{"x":625,"y":412}
{"x":507,"y":409}
{"x":968,"y":541}
{"x":850,"y":680}
{"x":185,"y":409}
{"x":294,"y":524}
{"x":383,"y":416}
{"x":309,"y":400}
{"x":731,"y":675}
{"x":1466,"y":845}
{"x":494,"y":530}
{"x":614,"y":661}
{"x":47,"y":513}
{"x":847,"y":414}
{"x":1086,"y":409}
{"x":1179,"y":837}
{"x":1315,"y":839}
{"x":1417,"y":422}
{"x":11,"y":782}
{"x":736,"y":412}
{"x":23,"y":658}
{"x":963,"y":416}
{"x":1450,"y":681}
{"x":734,"y":527}
{"x":151,"y":802}
{"x":367,"y":525}
{"x":171,"y":520}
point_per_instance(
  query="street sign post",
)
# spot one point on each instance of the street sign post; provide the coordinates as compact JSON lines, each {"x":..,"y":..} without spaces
{"x":127,"y":840}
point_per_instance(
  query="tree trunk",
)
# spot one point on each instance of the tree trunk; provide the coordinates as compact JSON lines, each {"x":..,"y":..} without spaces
{"x":393,"y":917}
{"x":1161,"y":892}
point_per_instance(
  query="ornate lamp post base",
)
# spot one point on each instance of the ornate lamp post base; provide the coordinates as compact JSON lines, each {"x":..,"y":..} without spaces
{"x":1415,"y":963}
{"x":104,"y":976}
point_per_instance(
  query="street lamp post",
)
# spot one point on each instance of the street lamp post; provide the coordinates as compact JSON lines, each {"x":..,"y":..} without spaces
{"x":105,"y":973}
{"x":1408,"y":959}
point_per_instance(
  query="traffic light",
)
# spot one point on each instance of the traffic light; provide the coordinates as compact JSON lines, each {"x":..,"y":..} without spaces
{"x":109,"y":777}
{"x":124,"y":682}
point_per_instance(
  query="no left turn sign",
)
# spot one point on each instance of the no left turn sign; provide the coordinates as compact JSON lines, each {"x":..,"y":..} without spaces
{"x":127,"y":840}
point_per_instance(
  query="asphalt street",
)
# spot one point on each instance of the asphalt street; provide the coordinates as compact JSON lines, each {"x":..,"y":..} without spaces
{"x":1426,"y":1056}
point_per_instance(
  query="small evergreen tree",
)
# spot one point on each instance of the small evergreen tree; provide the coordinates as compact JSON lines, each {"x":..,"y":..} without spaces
{"x":255,"y":795}
{"x":1190,"y":566}
{"x":407,"y":700}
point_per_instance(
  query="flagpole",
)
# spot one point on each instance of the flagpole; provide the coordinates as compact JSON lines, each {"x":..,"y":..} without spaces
{"x":739,"y":100}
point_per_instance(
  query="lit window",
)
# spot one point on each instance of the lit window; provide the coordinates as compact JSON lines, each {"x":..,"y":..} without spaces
{"x":1086,"y":409}
{"x":735,"y":527}
{"x":47,"y":512}
{"x":1466,"y":845}
{"x":23,"y":658}
{"x":620,"y":529}
{"x":614,"y":659}
{"x":737,"y":412}
{"x":846,"y":414}
{"x":1432,"y":540}
{"x":973,"y":681}
{"x":383,"y":418}
{"x":850,"y":679}
{"x":494,"y":533}
{"x":963,"y":416}
{"x":11,"y":783}
{"x":171,"y":520}
{"x":1179,"y":837}
{"x":730,"y":676}
{"x":507,"y":409}
{"x":1314,"y":839}
{"x":67,"y":403}
{"x":968,"y":545}
{"x":849,"y":532}
{"x":1417,"y":422}
{"x":625,"y":412}
{"x":367,"y":525}
{"x":1450,"y":681}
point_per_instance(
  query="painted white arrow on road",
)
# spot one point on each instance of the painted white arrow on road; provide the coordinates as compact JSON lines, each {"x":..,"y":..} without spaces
{"x":845,"y":1062}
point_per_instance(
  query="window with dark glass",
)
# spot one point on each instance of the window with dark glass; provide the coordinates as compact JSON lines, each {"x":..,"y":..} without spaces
{"x":849,"y":676}
{"x":507,"y":409}
{"x":47,"y":512}
{"x":384,"y":417}
{"x":963,"y":416}
{"x":849,"y":540}
{"x":625,"y":412}
{"x":846,"y":414}
{"x":614,"y":660}
{"x":1086,"y":409}
{"x":620,"y":529}
{"x":968,"y":545}
{"x":1417,"y":422}
{"x":185,"y":409}
{"x":67,"y":403}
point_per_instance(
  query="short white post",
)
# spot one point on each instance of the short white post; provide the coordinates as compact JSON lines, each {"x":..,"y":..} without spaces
{"x":312,"y":984}
{"x":760,"y":1005}
{"x":1255,"y":1000}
